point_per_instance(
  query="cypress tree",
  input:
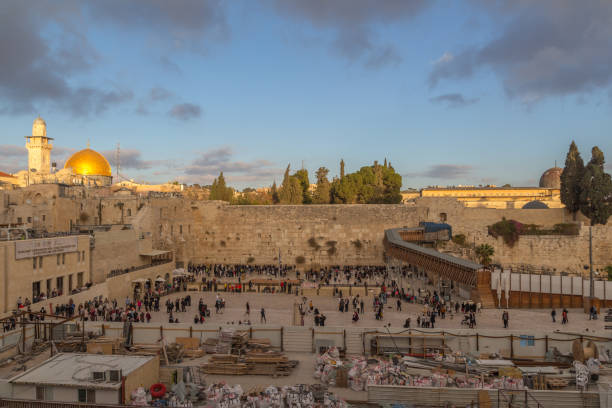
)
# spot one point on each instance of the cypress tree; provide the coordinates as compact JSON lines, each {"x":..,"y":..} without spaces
{"x":596,"y":190}
{"x":571,"y":178}
{"x":341,"y":169}
{"x":274,"y":193}
{"x":323,"y":192}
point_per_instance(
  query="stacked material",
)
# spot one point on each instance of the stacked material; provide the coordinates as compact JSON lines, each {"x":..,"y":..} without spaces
{"x":174,"y":352}
{"x":233,"y":341}
{"x":259,"y":344}
{"x":191,"y":346}
{"x":211,"y":346}
{"x":251,"y":363}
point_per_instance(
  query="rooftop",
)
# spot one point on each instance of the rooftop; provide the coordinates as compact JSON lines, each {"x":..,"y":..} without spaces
{"x":76,"y":370}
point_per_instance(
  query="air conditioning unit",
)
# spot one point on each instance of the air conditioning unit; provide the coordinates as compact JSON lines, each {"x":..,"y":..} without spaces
{"x":115,"y":375}
{"x":98,"y":376}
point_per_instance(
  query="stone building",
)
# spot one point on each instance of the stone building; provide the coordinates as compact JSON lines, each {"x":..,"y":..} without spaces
{"x":86,"y":167}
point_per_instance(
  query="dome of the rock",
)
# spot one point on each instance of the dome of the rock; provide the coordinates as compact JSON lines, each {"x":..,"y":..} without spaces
{"x":88,"y":162}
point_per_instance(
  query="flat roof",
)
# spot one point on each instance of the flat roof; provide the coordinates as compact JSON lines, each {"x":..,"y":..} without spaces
{"x":394,"y":237}
{"x":75,"y":370}
{"x":485,"y":188}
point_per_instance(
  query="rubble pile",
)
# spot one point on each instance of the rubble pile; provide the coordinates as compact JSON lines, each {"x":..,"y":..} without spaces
{"x":297,"y":396}
{"x":362,"y":373}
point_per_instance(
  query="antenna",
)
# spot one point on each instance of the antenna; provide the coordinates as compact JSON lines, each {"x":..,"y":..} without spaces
{"x":117,"y":160}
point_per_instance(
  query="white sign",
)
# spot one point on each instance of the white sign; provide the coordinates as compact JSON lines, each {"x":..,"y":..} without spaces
{"x":45,"y":246}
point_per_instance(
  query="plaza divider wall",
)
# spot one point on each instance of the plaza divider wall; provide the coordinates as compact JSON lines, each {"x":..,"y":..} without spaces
{"x":357,"y":340}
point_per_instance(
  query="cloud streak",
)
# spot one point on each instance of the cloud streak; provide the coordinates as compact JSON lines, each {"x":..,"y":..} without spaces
{"x":353,"y":23}
{"x":548,"y":48}
{"x":41,"y":72}
{"x":444,"y":171}
{"x":453,"y":100}
{"x":209,"y":164}
{"x":185,"y":111}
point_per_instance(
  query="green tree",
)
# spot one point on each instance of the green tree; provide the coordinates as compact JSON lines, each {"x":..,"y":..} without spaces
{"x":571,"y":179}
{"x":341,"y":168}
{"x":302,"y":176}
{"x":274,"y":193}
{"x":291,"y":189}
{"x":220,"y":191}
{"x":596,"y":190}
{"x":485,"y":253}
{"x":322,"y":194}
{"x":374,"y":184}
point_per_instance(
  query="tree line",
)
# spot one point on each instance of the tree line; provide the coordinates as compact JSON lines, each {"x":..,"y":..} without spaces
{"x":587,"y":189}
{"x":375,"y":184}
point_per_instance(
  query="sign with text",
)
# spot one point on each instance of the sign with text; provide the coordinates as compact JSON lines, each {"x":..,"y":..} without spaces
{"x":45,"y":246}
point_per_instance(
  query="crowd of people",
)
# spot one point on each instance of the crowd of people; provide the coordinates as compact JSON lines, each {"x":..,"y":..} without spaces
{"x":240,"y":270}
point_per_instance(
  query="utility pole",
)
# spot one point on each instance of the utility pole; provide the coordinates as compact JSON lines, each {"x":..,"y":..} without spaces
{"x":591,"y":283}
{"x":117,"y":161}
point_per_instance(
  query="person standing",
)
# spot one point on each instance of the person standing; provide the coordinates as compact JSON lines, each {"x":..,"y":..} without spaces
{"x":263,"y":316}
{"x":248,"y":309}
{"x":553,"y":314}
{"x":564,"y":317}
{"x":505,"y":318}
{"x":399,"y":305}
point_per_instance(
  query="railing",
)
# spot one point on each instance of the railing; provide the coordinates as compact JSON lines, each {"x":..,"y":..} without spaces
{"x":119,"y":272}
{"x":508,"y":397}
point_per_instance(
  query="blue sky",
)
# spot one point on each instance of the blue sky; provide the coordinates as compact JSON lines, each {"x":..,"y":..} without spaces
{"x":472,"y":93}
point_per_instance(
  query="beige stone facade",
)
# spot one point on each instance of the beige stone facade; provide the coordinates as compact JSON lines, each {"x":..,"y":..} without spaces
{"x":32,"y":275}
{"x":126,"y":226}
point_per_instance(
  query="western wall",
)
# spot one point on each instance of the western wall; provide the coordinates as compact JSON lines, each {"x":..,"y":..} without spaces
{"x":216,"y":232}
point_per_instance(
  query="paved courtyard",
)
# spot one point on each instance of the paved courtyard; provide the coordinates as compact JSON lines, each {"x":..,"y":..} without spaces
{"x":279,"y":311}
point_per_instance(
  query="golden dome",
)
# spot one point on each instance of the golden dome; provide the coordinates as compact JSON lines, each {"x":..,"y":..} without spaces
{"x":88,"y":162}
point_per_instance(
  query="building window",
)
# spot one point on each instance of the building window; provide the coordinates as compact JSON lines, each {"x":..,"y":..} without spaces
{"x":34,"y":263}
{"x":70,"y":283}
{"x":40,"y":261}
{"x":160,"y":230}
{"x":172,"y":230}
{"x":44,"y":217}
{"x":189,"y":228}
{"x":19,"y":220}
{"x":83,"y":257}
{"x":40,"y":393}
{"x":63,"y":259}
{"x":80,"y":279}
{"x":29,"y":219}
{"x":78,"y":257}
{"x":59,"y":284}
{"x":527,"y":340}
{"x":48,"y":287}
{"x":129,"y":212}
{"x":181,"y":229}
{"x":35,"y":289}
{"x":88,"y":396}
{"x":58,"y":259}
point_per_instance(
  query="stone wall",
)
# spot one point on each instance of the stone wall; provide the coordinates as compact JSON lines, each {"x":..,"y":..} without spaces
{"x":215,"y":232}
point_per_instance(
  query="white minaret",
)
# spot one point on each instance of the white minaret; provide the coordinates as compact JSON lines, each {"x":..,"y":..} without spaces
{"x":39,"y":148}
